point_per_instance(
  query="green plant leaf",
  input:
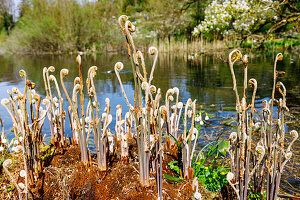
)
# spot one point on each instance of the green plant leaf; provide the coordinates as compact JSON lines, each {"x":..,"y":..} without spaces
{"x":172,"y":137}
{"x":174,"y":167}
{"x":223,"y":147}
{"x":228,"y":122}
{"x":211,"y":115}
{"x":172,"y":178}
{"x":229,"y":109}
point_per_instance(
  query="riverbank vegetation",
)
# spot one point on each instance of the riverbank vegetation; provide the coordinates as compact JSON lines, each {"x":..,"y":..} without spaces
{"x":69,"y":26}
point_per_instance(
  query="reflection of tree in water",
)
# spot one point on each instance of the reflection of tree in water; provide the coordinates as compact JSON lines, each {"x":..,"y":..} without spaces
{"x":206,"y":79}
{"x":8,"y":72}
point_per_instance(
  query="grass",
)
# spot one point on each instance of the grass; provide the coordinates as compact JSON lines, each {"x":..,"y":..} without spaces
{"x":278,"y":44}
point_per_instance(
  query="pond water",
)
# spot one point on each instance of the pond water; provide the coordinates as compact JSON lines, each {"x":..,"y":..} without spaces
{"x":206,"y":79}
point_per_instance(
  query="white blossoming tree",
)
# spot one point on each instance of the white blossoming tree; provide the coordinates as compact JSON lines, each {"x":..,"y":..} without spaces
{"x":246,"y":17}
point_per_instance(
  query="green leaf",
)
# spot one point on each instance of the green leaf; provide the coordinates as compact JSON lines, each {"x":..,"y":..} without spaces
{"x":172,"y":162}
{"x":228,"y":122}
{"x":174,"y":167}
{"x":211,"y":115}
{"x":172,"y":178}
{"x":223,"y":147}
{"x":172,"y":137}
{"x":229,"y":109}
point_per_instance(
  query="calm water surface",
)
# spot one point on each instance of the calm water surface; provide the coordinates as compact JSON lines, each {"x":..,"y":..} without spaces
{"x":206,"y":79}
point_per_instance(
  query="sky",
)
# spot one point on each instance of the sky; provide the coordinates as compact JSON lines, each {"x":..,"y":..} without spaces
{"x":15,"y":8}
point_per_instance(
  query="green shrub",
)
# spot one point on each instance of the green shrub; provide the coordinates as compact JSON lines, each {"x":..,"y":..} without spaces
{"x":64,"y":26}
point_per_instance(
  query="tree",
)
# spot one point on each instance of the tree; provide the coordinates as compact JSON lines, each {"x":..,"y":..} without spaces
{"x":65,"y":25}
{"x":6,"y":13}
{"x":195,"y":9}
{"x":247,"y":17}
{"x":23,"y":7}
{"x":165,"y":18}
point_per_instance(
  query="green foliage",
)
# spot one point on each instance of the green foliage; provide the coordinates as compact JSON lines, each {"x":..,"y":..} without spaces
{"x":132,"y":6}
{"x":210,"y":173}
{"x":218,"y":147}
{"x":222,"y":147}
{"x":10,"y":188}
{"x":266,"y":27}
{"x":255,"y":196}
{"x":2,"y":159}
{"x":229,"y":109}
{"x":6,"y":151}
{"x":172,"y":178}
{"x":175,"y":140}
{"x":176,"y":169}
{"x":127,"y":5}
{"x":175,"y":165}
{"x":65,"y":26}
{"x":213,"y":178}
{"x":3,"y":35}
{"x":1,"y":21}
{"x":252,"y":195}
{"x":228,"y":122}
{"x":46,"y":152}
{"x":282,"y":44}
{"x":8,"y":22}
{"x":210,"y":115}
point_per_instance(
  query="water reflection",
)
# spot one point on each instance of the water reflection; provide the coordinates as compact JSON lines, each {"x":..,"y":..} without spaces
{"x":207,"y":79}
